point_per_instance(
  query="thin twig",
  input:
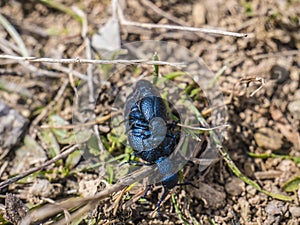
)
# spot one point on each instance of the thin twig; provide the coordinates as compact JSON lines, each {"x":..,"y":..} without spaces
{"x":67,"y":71}
{"x":90,"y":202}
{"x":263,"y":83}
{"x":14,"y":34}
{"x":4,"y":153}
{"x":233,"y":92}
{"x":162,"y":13}
{"x":50,"y":210}
{"x":73,"y":216}
{"x":277,"y":54}
{"x":3,"y":167}
{"x":174,"y":27}
{"x":11,"y":72}
{"x":75,"y":126}
{"x":88,"y":49}
{"x":125,"y":22}
{"x":206,"y":112}
{"x":92,"y":61}
{"x":13,"y":87}
{"x":33,"y":170}
{"x":72,"y":82}
{"x":51,"y":105}
{"x":27,"y":27}
{"x":9,"y":48}
{"x":204,"y":128}
{"x":12,"y":50}
{"x":172,"y":18}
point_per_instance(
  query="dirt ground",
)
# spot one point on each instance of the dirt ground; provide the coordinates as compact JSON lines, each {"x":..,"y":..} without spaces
{"x":259,"y":76}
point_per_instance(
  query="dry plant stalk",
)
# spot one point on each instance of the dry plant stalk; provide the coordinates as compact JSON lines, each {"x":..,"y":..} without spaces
{"x":91,"y":61}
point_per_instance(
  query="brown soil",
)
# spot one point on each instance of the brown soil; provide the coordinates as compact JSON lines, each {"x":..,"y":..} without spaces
{"x":260,"y":84}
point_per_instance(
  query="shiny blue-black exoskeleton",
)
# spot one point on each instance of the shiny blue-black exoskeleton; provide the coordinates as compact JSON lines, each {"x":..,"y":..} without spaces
{"x":151,"y":133}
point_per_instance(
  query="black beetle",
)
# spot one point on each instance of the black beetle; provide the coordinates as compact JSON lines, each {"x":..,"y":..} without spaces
{"x":151,"y":133}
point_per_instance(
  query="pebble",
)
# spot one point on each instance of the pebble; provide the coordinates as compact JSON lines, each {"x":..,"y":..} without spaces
{"x":286,"y":165}
{"x":41,"y":187}
{"x":294,"y":108}
{"x":212,"y":196}
{"x":12,"y":126}
{"x":254,"y":201}
{"x":295,"y":211}
{"x":297,"y":94}
{"x":268,"y":138}
{"x":199,"y":13}
{"x":275,"y":208}
{"x":294,"y":74}
{"x":245,"y":208}
{"x":235,"y":186}
{"x":251,"y":190}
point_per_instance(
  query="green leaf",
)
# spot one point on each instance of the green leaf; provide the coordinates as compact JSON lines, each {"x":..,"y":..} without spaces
{"x":296,"y":159}
{"x":248,"y":8}
{"x":14,"y":34}
{"x":31,"y":144}
{"x":247,"y":180}
{"x":3,"y":221}
{"x":292,"y":185}
{"x":60,"y":7}
{"x":179,"y":214}
{"x":195,"y":92}
{"x":73,"y":159}
{"x":93,"y":145}
{"x":63,"y":136}
{"x":171,"y":76}
{"x":49,"y":139}
{"x":110,"y":173}
{"x":156,"y":68}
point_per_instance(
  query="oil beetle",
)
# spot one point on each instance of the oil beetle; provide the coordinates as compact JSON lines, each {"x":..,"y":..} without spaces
{"x":151,"y":132}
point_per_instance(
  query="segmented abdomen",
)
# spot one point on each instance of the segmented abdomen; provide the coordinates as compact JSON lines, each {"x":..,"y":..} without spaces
{"x":149,"y":133}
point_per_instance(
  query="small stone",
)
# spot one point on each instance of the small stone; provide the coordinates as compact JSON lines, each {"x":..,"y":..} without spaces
{"x":88,"y":188}
{"x":254,"y":201}
{"x":213,"y":197}
{"x":297,"y":94}
{"x":249,"y":168}
{"x":268,"y":138}
{"x":270,"y":174}
{"x":235,"y":186}
{"x":295,"y":211}
{"x":41,"y":187}
{"x":15,"y":209}
{"x":279,"y":73}
{"x":199,"y":13}
{"x":274,"y":208}
{"x":251,"y":190}
{"x":12,"y":126}
{"x":28,"y":154}
{"x":293,"y":86}
{"x":245,"y":208}
{"x":293,"y":222}
{"x":294,"y":108}
{"x":286,"y":165}
{"x":294,"y":74}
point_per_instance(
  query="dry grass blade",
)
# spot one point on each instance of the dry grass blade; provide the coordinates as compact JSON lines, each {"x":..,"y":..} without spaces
{"x":14,"y":34}
{"x":31,"y":171}
{"x":191,"y":29}
{"x":91,"y":61}
{"x":172,"y":18}
{"x":50,"y":210}
{"x":74,"y":126}
{"x":125,"y":22}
